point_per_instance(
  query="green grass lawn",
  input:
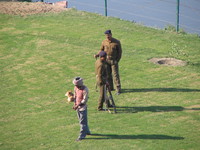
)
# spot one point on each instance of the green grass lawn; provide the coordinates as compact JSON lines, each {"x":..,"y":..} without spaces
{"x":159,"y":108}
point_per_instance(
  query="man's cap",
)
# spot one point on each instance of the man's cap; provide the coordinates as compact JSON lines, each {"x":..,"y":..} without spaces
{"x":107,"y":32}
{"x":78,"y":81}
{"x":102,"y":54}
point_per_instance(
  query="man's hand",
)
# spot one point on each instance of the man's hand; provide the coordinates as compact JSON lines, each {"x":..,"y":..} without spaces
{"x":107,"y":84}
{"x":95,"y":56}
{"x":75,"y":107}
{"x":81,"y":104}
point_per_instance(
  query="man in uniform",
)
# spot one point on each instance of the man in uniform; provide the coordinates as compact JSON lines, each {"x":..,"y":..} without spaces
{"x":101,"y":78}
{"x":113,"y":49}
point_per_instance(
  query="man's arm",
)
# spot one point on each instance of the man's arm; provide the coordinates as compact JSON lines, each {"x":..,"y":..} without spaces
{"x":119,"y":48}
{"x":74,"y":106}
{"x":99,"y":75}
{"x":85,"y":96}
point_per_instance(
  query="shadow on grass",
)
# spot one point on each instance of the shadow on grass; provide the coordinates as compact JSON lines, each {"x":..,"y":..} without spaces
{"x":126,"y":109}
{"x":143,"y":136}
{"x":159,"y":90}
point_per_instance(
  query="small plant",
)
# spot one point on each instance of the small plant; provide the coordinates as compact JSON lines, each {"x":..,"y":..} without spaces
{"x":170,"y":28}
{"x":179,"y":52}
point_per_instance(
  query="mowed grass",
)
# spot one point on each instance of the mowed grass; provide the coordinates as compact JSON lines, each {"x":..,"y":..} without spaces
{"x":41,"y":54}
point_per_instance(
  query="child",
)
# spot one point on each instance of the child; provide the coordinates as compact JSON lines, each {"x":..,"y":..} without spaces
{"x":81,"y":98}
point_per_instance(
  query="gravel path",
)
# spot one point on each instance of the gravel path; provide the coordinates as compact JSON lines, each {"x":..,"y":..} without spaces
{"x":28,"y":8}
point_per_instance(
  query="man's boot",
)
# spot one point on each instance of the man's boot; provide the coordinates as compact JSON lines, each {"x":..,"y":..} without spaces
{"x":118,"y":90}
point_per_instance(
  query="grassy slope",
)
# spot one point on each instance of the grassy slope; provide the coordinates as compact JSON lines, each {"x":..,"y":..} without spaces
{"x":39,"y":57}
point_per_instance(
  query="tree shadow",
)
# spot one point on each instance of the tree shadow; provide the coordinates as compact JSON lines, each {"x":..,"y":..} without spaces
{"x":126,"y":109}
{"x":159,"y":90}
{"x":142,"y":136}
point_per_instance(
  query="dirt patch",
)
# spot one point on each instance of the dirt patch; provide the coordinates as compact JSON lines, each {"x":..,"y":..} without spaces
{"x":168,"y":61}
{"x":28,"y":8}
{"x":193,"y":108}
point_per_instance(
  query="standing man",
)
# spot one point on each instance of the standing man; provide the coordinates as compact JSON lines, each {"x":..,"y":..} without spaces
{"x":113,"y":49}
{"x":101,"y":78}
{"x":81,"y":98}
